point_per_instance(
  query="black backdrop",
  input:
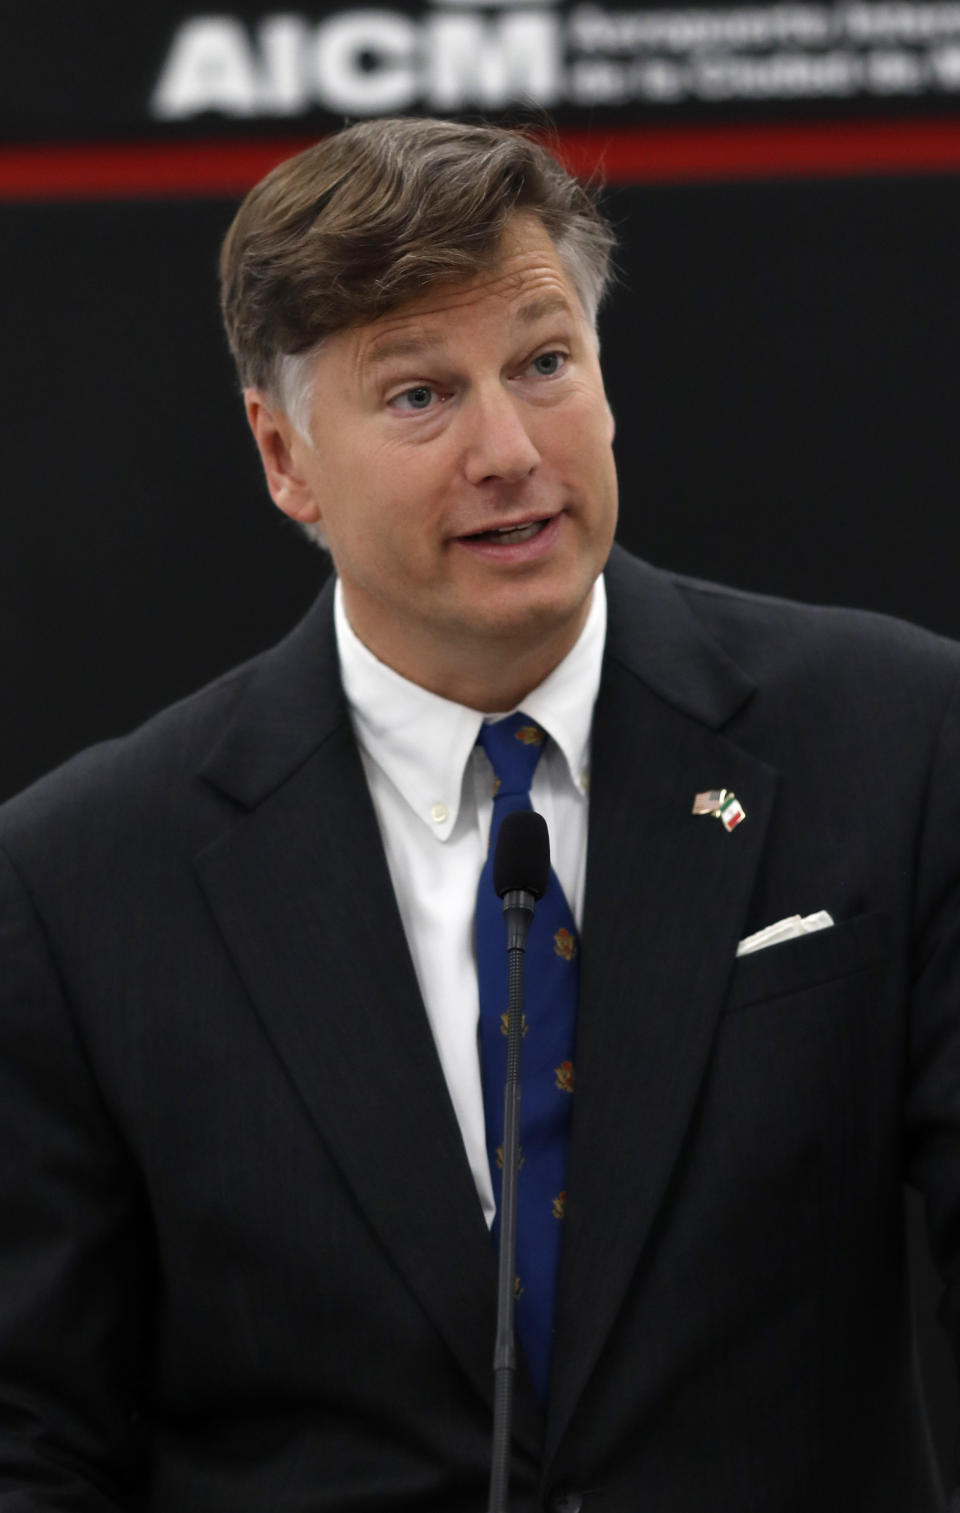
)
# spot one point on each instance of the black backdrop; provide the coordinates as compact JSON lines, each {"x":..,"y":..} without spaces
{"x":780,"y":358}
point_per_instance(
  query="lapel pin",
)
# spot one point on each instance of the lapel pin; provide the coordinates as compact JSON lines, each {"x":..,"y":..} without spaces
{"x":723,"y":804}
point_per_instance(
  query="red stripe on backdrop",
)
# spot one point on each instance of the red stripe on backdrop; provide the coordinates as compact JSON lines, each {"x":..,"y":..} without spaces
{"x":631,"y":155}
{"x":137,"y":170}
{"x":841,"y":149}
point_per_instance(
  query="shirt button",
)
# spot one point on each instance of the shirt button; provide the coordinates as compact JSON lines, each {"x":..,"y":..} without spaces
{"x":439,"y":813}
{"x":566,"y":1500}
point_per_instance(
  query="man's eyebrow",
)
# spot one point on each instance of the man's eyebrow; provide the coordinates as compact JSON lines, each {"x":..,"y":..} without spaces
{"x":419,"y":343}
{"x":401,"y":346}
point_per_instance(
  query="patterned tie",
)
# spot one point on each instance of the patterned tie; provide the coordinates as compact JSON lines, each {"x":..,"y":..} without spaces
{"x":551,"y":981}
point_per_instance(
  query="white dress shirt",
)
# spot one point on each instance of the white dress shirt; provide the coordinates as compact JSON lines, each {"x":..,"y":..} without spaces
{"x":432,"y":789}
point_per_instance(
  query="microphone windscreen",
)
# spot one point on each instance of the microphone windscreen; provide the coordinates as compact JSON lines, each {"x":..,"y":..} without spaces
{"x":522,"y":857}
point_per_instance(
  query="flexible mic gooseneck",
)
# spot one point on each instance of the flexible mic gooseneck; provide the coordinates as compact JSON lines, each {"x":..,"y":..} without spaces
{"x":521,"y":872}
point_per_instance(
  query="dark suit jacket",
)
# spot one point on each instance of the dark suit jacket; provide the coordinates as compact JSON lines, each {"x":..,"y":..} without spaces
{"x":243,"y":1267}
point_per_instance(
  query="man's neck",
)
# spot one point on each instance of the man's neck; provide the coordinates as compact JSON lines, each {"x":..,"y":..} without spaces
{"x":493,"y":675}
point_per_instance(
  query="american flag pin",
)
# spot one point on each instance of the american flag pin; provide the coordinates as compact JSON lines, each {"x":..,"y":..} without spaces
{"x":723,"y":804}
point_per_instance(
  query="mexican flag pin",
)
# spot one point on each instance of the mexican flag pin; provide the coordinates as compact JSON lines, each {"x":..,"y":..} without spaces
{"x":723,"y":804}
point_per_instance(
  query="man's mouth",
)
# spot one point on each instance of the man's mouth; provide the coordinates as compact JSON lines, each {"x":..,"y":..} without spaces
{"x":511,"y":535}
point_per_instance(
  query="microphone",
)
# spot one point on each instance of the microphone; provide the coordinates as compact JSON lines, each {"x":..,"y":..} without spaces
{"x":521,"y":872}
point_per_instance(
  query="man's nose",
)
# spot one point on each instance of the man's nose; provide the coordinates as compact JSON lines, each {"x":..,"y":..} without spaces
{"x":498,"y":443}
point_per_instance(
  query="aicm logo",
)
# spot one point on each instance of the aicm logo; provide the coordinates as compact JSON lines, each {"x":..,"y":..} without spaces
{"x":363,"y":62}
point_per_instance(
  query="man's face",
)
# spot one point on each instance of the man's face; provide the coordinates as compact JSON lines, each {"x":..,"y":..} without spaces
{"x":462,"y":469}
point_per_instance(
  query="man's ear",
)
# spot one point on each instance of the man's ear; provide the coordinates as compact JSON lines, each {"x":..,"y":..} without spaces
{"x":282,"y":451}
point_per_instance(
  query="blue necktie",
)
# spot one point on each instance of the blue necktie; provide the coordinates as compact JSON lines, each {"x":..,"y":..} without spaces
{"x":551,"y":981}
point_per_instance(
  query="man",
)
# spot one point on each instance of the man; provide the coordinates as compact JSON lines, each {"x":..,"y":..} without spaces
{"x":245,"y":1174}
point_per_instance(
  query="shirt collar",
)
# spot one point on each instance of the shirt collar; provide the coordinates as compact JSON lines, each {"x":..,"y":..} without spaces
{"x":563,"y":702}
{"x":422,"y":742}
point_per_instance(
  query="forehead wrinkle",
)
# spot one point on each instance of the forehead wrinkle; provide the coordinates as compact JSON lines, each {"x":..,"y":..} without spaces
{"x":537,"y":309}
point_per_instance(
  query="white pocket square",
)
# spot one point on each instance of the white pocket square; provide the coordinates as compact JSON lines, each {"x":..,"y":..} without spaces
{"x":785,"y":929}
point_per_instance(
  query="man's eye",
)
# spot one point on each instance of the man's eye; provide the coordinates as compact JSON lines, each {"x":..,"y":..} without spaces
{"x":548,"y":363}
{"x":418,"y":398}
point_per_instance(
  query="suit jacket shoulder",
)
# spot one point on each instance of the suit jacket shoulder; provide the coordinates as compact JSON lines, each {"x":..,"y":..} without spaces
{"x":666,"y":625}
{"x":229,"y":741}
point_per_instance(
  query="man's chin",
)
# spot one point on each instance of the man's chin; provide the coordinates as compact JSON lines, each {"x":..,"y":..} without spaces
{"x":510,"y":621}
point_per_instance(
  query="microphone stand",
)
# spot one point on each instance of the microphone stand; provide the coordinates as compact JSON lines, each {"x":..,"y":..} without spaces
{"x":518,"y":906}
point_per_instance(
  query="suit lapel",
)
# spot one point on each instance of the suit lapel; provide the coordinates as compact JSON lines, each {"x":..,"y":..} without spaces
{"x":301,"y":892}
{"x":667,"y":892}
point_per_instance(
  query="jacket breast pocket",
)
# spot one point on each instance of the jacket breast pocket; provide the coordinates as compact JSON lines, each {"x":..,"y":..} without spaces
{"x":807,"y":961}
